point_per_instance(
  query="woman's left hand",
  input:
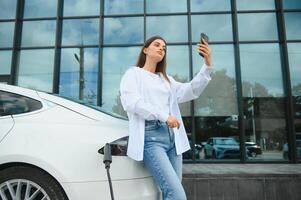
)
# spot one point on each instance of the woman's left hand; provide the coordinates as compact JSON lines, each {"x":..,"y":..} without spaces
{"x":205,"y":51}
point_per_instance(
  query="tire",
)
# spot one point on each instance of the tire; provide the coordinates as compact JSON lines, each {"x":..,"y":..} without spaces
{"x":24,"y":176}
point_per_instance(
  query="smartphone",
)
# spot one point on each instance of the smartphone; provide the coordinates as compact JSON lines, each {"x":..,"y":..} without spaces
{"x":203,"y":37}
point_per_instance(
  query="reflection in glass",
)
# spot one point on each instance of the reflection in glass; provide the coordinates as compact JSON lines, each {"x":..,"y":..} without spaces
{"x":257,"y":26}
{"x":35,"y":8}
{"x":256,"y":61}
{"x":115,"y":62}
{"x":212,"y":5}
{"x":293,"y":25}
{"x":8,"y":9}
{"x":6,"y":34}
{"x":255,"y":4}
{"x":81,"y":8}
{"x":219,"y":97}
{"x":77,"y":62}
{"x":171,"y":28}
{"x":123,"y":7}
{"x":5,"y":62}
{"x":157,"y":6}
{"x":123,"y":30}
{"x":43,"y":34}
{"x":36,"y":69}
{"x":219,"y":28}
{"x":178,"y":67}
{"x":291,"y":4}
{"x":80,"y":32}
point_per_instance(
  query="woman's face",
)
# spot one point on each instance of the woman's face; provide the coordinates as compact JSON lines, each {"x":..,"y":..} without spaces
{"x":156,"y":50}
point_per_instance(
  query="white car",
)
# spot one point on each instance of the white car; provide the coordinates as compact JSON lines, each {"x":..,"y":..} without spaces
{"x":49,"y":151}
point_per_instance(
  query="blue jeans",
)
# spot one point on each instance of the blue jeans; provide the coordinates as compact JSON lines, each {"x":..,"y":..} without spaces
{"x":161,"y":160}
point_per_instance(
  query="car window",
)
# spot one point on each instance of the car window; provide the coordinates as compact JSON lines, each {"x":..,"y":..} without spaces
{"x":225,"y":142}
{"x":12,"y":104}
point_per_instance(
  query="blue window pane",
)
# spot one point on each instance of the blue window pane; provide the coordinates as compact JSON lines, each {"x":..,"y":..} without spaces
{"x":158,"y":6}
{"x":219,"y":28}
{"x":291,"y":4}
{"x":80,"y":32}
{"x":36,"y":8}
{"x":221,"y":90}
{"x":70,"y":74}
{"x":8,"y":9}
{"x":256,"y":60}
{"x":293,"y":25}
{"x":5,"y":60}
{"x":171,"y":28}
{"x":43,"y":34}
{"x":36,"y":69}
{"x":257,"y":26}
{"x":123,"y":7}
{"x":255,"y":4}
{"x":6,"y":34}
{"x":123,"y":30}
{"x":212,"y":5}
{"x":81,"y":8}
{"x":115,"y":62}
{"x":294,"y":54}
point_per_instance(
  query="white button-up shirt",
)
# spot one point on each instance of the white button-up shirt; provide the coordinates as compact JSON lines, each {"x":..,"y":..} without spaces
{"x":147,"y":96}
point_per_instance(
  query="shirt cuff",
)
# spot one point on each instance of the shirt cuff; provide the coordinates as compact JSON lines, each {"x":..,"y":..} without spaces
{"x":163,"y":117}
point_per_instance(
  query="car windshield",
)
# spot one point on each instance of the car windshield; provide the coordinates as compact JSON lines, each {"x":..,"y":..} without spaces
{"x":92,"y":106}
{"x":225,"y":141}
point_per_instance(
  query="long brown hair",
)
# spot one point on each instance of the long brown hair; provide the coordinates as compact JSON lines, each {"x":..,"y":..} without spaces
{"x":161,"y":66}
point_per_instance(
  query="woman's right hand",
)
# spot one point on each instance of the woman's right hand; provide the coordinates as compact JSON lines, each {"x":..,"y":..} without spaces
{"x":172,"y":122}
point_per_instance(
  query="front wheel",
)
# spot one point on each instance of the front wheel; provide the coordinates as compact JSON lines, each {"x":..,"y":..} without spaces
{"x":24,"y":182}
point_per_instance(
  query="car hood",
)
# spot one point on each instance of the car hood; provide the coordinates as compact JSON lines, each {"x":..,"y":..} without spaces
{"x":227,"y":146}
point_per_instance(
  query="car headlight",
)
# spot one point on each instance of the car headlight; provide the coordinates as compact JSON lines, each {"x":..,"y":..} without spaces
{"x":118,"y":147}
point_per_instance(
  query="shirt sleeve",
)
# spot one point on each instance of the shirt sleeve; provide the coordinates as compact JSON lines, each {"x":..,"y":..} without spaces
{"x":193,"y":89}
{"x":132,"y":101}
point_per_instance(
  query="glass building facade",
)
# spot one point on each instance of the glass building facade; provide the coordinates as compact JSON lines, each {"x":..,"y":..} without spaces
{"x":250,"y":111}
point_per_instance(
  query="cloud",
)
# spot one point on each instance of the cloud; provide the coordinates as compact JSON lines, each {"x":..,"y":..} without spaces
{"x":8,"y":9}
{"x":6,"y":34}
{"x":81,"y":7}
{"x":5,"y":62}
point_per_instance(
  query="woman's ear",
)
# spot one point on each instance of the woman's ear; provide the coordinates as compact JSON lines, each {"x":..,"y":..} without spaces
{"x":145,"y":50}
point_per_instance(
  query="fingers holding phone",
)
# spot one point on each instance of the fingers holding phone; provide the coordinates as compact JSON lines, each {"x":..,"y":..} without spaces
{"x":203,"y":49}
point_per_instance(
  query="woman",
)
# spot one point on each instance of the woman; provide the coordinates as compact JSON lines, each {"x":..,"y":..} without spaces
{"x":156,"y":130}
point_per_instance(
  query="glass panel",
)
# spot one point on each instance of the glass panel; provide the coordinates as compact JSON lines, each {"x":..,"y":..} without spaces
{"x":123,"y":7}
{"x":291,"y":4}
{"x":212,"y":5}
{"x":35,"y":8}
{"x":157,"y":6}
{"x":123,"y":30}
{"x":6,"y":34}
{"x":76,"y":63}
{"x":255,"y":60}
{"x":178,"y":68}
{"x":115,"y":62}
{"x":43,"y":34}
{"x":80,"y":32}
{"x":293,"y":25}
{"x":81,"y":8}
{"x":221,"y":90}
{"x":255,"y":4}
{"x":171,"y":28}
{"x":219,"y":28}
{"x":5,"y":60}
{"x":36,"y":69}
{"x":257,"y":26}
{"x":8,"y":9}
{"x":294,"y":53}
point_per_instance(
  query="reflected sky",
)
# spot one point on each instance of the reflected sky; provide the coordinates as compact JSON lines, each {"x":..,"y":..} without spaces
{"x":255,"y":4}
{"x":171,"y":28}
{"x":293,"y":25}
{"x":36,"y":69}
{"x":123,"y":7}
{"x":256,"y":61}
{"x":257,"y":26}
{"x":5,"y":62}
{"x":6,"y":34}
{"x":81,"y":7}
{"x":178,"y":62}
{"x":123,"y":30}
{"x":159,"y":6}
{"x":8,"y":9}
{"x":36,"y":8}
{"x":294,"y":51}
{"x":212,"y":5}
{"x":43,"y":34}
{"x":80,"y":31}
{"x":291,"y":4}
{"x":217,"y":27}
